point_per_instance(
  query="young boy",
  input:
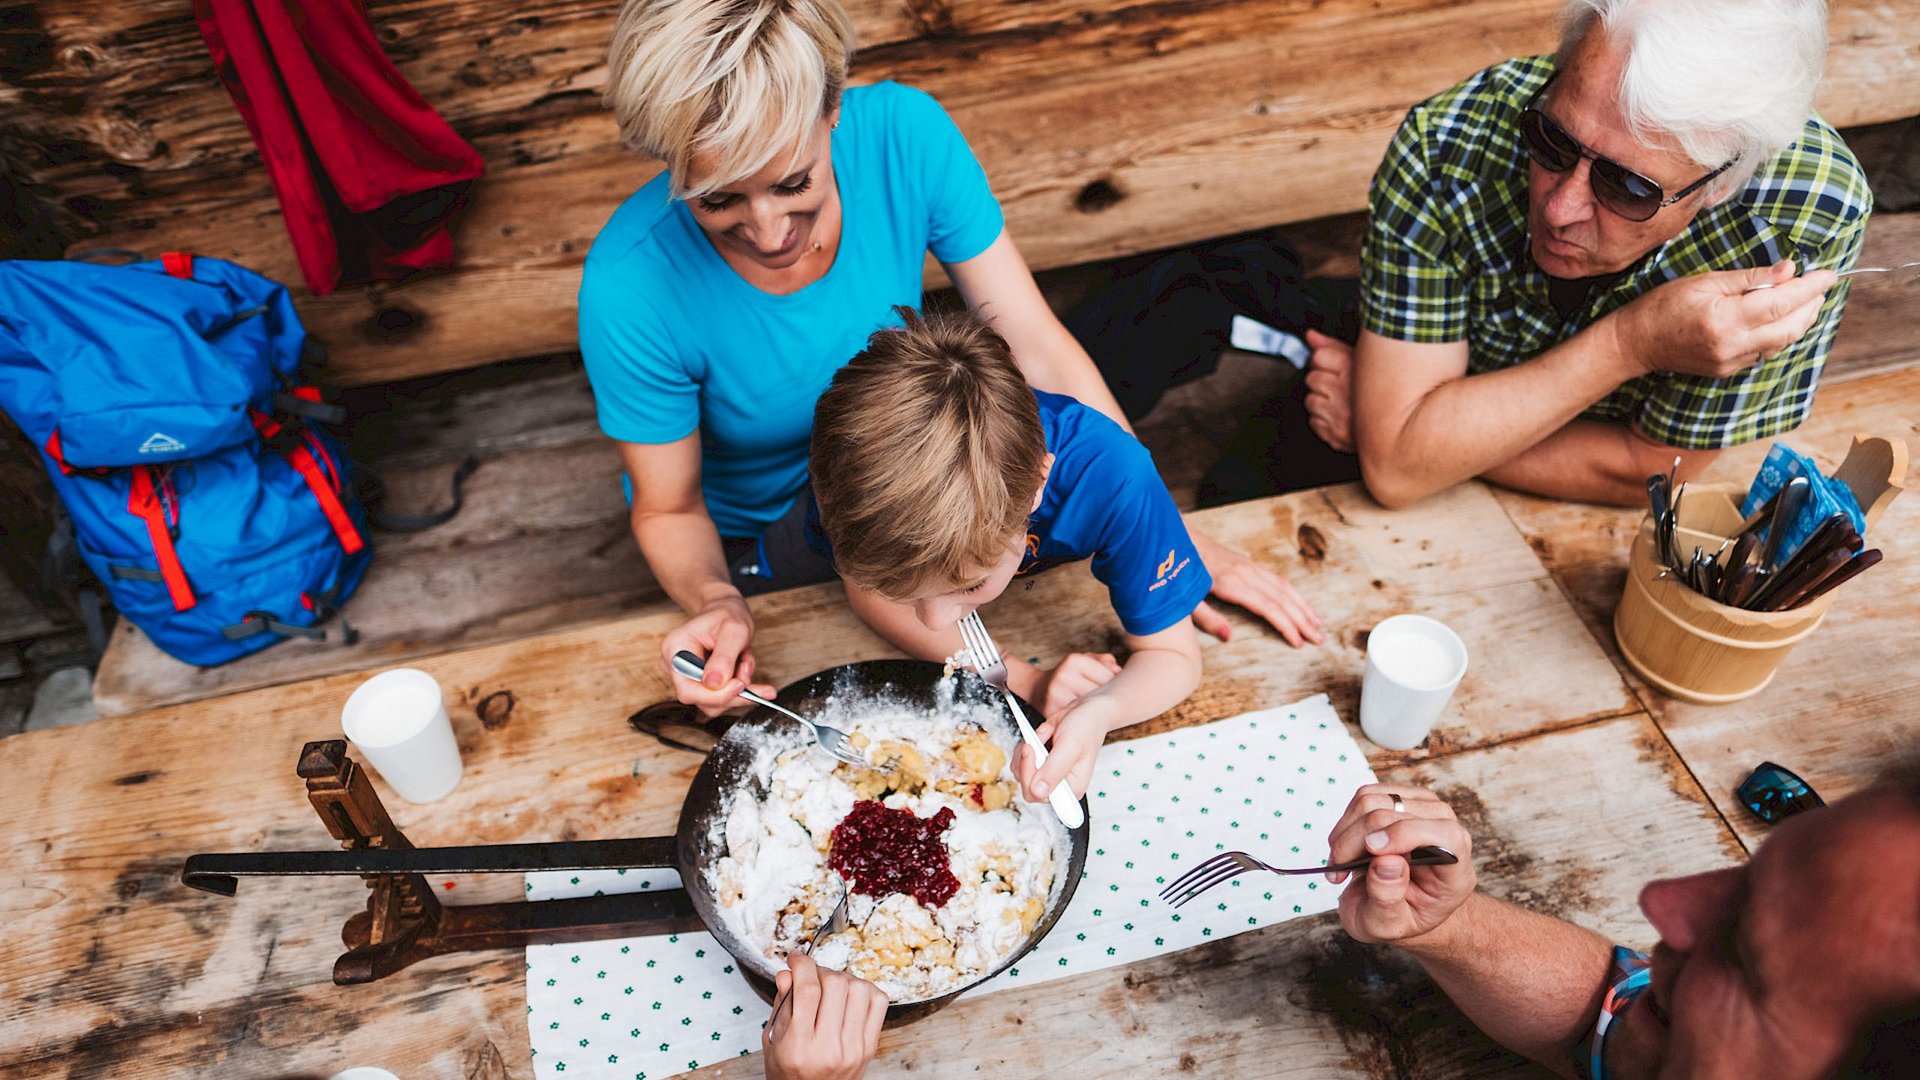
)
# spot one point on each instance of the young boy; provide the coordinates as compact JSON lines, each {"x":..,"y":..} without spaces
{"x":941,"y":475}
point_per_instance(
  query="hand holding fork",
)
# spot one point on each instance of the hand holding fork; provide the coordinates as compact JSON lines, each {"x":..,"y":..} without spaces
{"x":990,"y":664}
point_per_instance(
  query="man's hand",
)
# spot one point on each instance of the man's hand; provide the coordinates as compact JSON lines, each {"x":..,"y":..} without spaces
{"x":1330,"y":391}
{"x":723,"y":633}
{"x":1073,"y":740}
{"x":825,"y":1026}
{"x":1390,"y":901}
{"x":1237,"y":579}
{"x":1715,"y":325}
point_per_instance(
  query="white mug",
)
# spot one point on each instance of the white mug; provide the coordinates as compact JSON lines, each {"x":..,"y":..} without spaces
{"x":1413,"y":665}
{"x":398,"y":722}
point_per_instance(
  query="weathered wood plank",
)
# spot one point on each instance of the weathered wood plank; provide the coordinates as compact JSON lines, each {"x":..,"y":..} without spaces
{"x":118,"y":964}
{"x":1460,"y":561}
{"x":1881,"y":331}
{"x":542,"y":543}
{"x":1086,"y":116}
{"x":1846,"y":704}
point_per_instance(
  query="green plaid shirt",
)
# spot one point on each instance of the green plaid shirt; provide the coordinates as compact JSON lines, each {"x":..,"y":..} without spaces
{"x":1446,"y":258}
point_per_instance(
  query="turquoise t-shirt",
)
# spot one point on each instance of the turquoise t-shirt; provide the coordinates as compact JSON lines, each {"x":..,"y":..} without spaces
{"x":675,"y":340}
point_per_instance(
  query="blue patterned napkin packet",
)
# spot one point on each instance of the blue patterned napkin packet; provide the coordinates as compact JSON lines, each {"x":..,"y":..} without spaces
{"x":1826,"y":497}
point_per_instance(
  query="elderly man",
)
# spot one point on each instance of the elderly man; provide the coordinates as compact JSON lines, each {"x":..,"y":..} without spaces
{"x":1578,"y":268}
{"x":1802,"y":963}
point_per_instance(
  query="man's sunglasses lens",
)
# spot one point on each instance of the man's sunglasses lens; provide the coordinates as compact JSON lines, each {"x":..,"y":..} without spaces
{"x":1553,"y":148}
{"x":1620,"y":189}
{"x":1774,"y":793}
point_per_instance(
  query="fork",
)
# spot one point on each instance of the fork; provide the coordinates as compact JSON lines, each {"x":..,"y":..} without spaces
{"x":836,"y":921}
{"x":1232,"y":864}
{"x":1855,"y":270}
{"x":990,"y":664}
{"x":831,"y":739}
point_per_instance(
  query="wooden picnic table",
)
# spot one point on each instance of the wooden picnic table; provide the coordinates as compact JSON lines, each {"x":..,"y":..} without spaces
{"x":1573,"y":789}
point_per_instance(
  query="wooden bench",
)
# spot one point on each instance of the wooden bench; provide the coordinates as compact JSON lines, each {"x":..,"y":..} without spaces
{"x":1107,"y":129}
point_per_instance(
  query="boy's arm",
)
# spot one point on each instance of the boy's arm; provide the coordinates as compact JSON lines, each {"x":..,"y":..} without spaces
{"x":899,"y":625}
{"x":1161,"y":670}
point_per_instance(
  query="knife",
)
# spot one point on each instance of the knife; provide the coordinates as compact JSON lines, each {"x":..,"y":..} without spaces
{"x":1792,"y":498}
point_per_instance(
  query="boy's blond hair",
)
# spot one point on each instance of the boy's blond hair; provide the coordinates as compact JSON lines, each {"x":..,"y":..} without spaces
{"x":927,"y":455}
{"x":740,"y":80}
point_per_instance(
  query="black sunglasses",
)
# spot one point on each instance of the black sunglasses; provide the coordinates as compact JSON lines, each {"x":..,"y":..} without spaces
{"x":1615,"y":186}
{"x":1774,"y":793}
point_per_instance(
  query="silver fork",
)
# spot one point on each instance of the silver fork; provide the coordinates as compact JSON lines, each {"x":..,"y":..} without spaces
{"x":831,"y":739}
{"x":990,"y":664}
{"x":1855,"y":270}
{"x":835,"y":922}
{"x":1231,"y":864}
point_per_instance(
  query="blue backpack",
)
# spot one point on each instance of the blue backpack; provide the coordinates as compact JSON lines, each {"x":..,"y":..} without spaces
{"x":163,"y":397}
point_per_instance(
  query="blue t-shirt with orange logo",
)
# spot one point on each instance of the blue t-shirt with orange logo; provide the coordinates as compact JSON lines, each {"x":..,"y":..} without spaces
{"x":1105,"y":501}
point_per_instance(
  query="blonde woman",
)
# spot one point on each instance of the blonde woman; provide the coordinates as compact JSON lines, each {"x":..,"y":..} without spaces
{"x":794,"y":213}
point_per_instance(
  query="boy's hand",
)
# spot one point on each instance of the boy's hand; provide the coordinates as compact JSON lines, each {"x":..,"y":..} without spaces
{"x":1055,"y":690}
{"x":1073,"y":740}
{"x":1237,"y":579}
{"x":723,"y":633}
{"x":827,"y":1026}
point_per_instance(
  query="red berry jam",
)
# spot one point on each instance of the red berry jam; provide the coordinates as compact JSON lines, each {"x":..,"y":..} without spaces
{"x":884,"y":851}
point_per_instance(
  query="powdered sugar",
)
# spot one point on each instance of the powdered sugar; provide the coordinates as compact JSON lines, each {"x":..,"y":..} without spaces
{"x":774,"y":886}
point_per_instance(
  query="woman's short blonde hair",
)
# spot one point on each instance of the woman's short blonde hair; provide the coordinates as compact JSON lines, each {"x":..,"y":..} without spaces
{"x":927,"y":455}
{"x":739,"y":80}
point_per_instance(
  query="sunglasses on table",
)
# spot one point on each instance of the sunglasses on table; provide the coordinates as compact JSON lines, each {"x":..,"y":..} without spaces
{"x":1774,"y":793}
{"x":1615,"y":186}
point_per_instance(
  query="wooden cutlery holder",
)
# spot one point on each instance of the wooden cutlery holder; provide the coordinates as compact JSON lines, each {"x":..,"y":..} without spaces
{"x":1697,"y":649}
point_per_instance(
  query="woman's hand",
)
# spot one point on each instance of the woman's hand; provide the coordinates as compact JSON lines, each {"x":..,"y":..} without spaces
{"x":827,"y":1025}
{"x":1237,"y":579}
{"x":1329,"y":382}
{"x":1073,"y":741}
{"x":1391,"y":901}
{"x":722,"y":632}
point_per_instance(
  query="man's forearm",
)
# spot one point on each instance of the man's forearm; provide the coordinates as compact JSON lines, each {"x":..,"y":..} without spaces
{"x":1531,"y":982}
{"x":1471,"y":425}
{"x":1590,"y":461}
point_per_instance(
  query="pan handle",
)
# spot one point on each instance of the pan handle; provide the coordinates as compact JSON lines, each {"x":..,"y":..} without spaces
{"x":220,"y":873}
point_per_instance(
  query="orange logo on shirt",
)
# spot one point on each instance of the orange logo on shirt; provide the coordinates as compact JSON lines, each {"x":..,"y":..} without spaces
{"x":1164,"y":567}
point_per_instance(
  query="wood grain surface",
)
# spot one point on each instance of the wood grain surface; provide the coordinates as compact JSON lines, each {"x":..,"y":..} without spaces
{"x":1844,"y":708}
{"x":121,"y":971}
{"x":1106,"y":129}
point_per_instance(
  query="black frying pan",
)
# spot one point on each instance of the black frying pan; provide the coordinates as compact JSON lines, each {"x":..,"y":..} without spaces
{"x":700,"y":839}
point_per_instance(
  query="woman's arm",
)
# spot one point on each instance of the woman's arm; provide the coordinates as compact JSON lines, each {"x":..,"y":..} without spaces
{"x":997,"y":285}
{"x":682,"y":548}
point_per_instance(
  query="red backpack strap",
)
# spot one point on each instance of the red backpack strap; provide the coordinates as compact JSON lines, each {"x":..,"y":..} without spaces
{"x":144,"y":502}
{"x":326,"y":493}
{"x":325,"y":482}
{"x":178,"y":264}
{"x":53,"y":451}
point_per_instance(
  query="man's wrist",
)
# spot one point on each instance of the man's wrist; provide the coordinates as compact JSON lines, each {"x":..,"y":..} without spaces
{"x":717,"y":593}
{"x":1446,"y":939}
{"x":1624,"y":363}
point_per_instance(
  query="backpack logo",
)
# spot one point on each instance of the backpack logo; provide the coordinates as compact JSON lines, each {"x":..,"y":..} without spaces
{"x":160,"y":443}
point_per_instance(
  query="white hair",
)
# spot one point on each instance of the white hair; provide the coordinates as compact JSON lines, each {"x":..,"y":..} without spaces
{"x":1720,"y":80}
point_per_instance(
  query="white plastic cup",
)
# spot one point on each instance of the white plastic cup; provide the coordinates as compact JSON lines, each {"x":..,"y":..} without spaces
{"x":398,"y":722}
{"x":1413,"y":665}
